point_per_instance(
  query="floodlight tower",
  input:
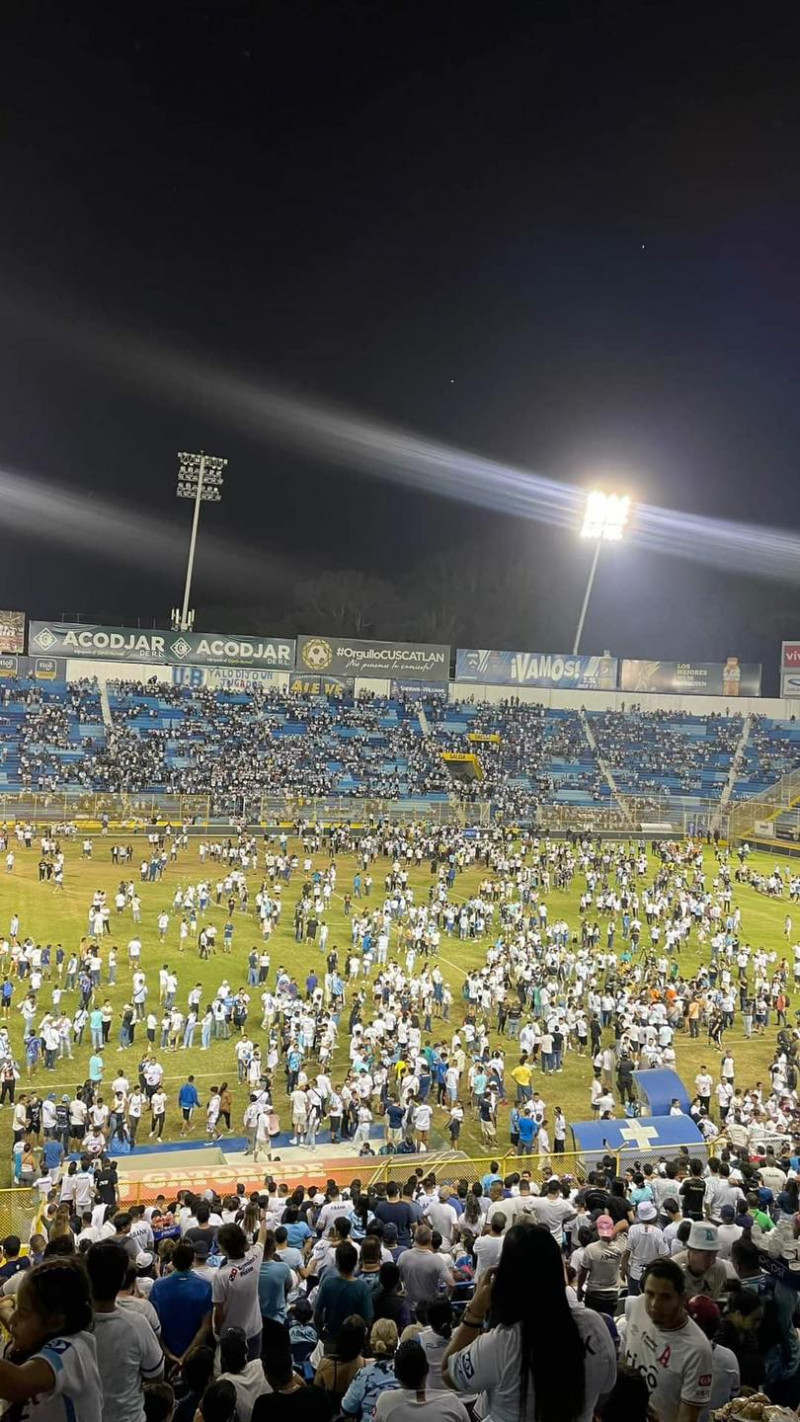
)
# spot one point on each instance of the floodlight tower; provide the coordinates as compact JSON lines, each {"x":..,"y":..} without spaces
{"x":604,"y":520}
{"x":200,"y":478}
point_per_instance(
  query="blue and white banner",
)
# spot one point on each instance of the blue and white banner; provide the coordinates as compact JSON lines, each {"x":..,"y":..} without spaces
{"x":536,"y":669}
{"x":229,"y":678}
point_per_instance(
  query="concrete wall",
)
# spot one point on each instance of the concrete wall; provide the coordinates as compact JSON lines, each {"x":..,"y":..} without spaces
{"x":614,"y":700}
{"x":79,"y":668}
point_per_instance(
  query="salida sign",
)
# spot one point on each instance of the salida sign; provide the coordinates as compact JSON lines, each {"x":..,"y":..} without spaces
{"x":128,"y":644}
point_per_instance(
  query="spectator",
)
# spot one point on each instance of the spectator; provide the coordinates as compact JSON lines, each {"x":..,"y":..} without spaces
{"x":388,"y":1300}
{"x":521,"y":1379}
{"x":666,"y":1347}
{"x":422,"y":1272}
{"x":218,"y":1403}
{"x":376,"y":1376}
{"x":274,"y":1282}
{"x":414,"y":1397}
{"x":340,"y":1295}
{"x":290,"y":1400}
{"x":247,"y":1376}
{"x":725,"y":1377}
{"x":128,"y":1352}
{"x":703,"y":1271}
{"x":235,"y":1287}
{"x":644,"y":1243}
{"x":343,"y":1360}
{"x":779,"y":1344}
{"x":197,"y":1372}
{"x":434,"y":1339}
{"x":182,"y":1301}
{"x":488,"y":1247}
{"x":13,"y":1262}
{"x":51,"y":1338}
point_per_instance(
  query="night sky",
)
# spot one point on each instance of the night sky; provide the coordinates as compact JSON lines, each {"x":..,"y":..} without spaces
{"x":561,"y":236}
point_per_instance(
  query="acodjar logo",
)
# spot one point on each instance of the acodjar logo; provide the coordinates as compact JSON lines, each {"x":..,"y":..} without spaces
{"x":45,"y":639}
{"x":317,"y":654}
{"x":180,"y":647}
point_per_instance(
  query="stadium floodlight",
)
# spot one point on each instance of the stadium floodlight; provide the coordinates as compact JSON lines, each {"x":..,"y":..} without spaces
{"x":200,"y":477}
{"x":605,"y":516}
{"x":604,"y":520}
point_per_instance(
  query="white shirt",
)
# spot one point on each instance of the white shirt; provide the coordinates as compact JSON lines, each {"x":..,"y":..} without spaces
{"x":443,"y":1217}
{"x":487,"y":1249}
{"x":402,"y":1406}
{"x":128,"y":1353}
{"x":676,"y":1363}
{"x":235,"y":1286}
{"x":490,"y":1364}
{"x":77,"y":1390}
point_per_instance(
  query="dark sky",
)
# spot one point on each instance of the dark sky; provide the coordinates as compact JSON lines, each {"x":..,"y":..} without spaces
{"x":559,"y":235}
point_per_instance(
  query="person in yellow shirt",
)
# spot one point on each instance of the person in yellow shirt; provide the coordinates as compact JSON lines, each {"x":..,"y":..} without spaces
{"x":523,"y":1076}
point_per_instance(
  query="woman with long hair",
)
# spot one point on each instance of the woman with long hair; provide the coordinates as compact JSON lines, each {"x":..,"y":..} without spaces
{"x":472,"y":1220}
{"x":540,"y":1360}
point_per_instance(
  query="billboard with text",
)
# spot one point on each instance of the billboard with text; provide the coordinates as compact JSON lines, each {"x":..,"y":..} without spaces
{"x":352,"y":656}
{"x":546,"y":669}
{"x":136,"y":644}
{"x":731,"y":678}
{"x":12,"y":631}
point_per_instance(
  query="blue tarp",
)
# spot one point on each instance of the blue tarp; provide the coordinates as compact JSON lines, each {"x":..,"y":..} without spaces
{"x":657,"y":1089}
{"x":639,"y":1137}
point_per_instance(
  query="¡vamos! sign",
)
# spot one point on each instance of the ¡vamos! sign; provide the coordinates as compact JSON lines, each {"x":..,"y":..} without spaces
{"x":127,"y":644}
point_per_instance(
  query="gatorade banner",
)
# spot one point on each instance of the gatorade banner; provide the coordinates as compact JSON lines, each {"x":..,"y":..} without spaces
{"x":731,"y":678}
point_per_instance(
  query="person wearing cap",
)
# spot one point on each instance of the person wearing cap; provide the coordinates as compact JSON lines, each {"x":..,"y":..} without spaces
{"x":725,"y":1374}
{"x":201,"y":1266}
{"x":599,"y":1274}
{"x":704,"y":1272}
{"x":666,"y":1347}
{"x":645,"y":1242}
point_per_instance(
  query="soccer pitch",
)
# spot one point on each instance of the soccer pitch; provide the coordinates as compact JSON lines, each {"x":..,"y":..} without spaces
{"x":51,"y":916}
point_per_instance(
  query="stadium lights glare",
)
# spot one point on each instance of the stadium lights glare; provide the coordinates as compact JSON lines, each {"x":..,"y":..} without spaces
{"x":604,"y":519}
{"x":605,"y":516}
{"x":200,"y":477}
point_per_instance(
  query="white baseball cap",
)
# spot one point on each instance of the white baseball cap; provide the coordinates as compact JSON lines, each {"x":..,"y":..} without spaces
{"x":703,"y":1236}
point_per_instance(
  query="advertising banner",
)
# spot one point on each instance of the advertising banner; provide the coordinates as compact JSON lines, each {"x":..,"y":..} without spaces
{"x":731,"y":678}
{"x":790,"y":684}
{"x":345,"y":656}
{"x":536,"y":669}
{"x":127,"y":644}
{"x":305,"y":685}
{"x":402,"y":690}
{"x":228,"y":678}
{"x":39,"y":668}
{"x":790,"y":654}
{"x":12,"y":631}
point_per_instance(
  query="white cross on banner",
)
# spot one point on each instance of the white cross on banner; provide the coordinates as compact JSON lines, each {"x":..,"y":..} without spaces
{"x":644,"y":1137}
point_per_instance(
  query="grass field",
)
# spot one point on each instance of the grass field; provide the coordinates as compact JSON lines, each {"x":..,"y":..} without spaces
{"x":51,"y":916}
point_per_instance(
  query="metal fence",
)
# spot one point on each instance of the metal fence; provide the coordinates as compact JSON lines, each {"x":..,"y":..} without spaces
{"x":628,"y":816}
{"x":452,"y":1167}
{"x":135,"y":810}
{"x":764,"y":809}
